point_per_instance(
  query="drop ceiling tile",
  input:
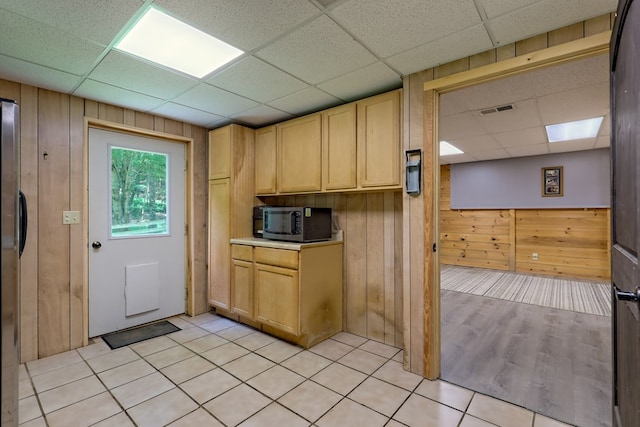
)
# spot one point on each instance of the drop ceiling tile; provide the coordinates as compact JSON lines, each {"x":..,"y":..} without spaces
{"x":475,"y":144}
{"x":603,"y":141}
{"x":41,"y":44}
{"x":545,"y":16}
{"x":98,"y":21}
{"x":369,"y":80}
{"x":186,"y":114}
{"x":127,"y":72}
{"x":575,"y":104}
{"x":498,"y":153}
{"x":521,"y":137}
{"x":246,"y":24}
{"x":461,"y":125}
{"x":36,"y":75}
{"x":507,"y":90}
{"x":464,"y":43}
{"x":577,"y":145}
{"x":305,"y":101}
{"x":495,"y":8}
{"x":102,"y":92}
{"x":523,"y":116}
{"x":528,"y":150}
{"x":391,"y":27}
{"x":457,"y":158}
{"x":452,"y":103}
{"x":319,"y":51}
{"x":261,"y":115}
{"x":213,"y":100}
{"x":255,"y":79}
{"x":570,"y":75}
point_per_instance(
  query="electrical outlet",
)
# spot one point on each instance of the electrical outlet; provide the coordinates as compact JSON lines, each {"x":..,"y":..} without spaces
{"x":534,"y":256}
{"x":71,"y":217}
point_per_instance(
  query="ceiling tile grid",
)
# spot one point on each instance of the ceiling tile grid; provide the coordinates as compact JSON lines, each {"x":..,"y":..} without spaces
{"x":390,"y":27}
{"x":245,"y":24}
{"x":257,"y":80}
{"x":307,"y":55}
{"x":317,"y":52}
{"x":127,"y":72}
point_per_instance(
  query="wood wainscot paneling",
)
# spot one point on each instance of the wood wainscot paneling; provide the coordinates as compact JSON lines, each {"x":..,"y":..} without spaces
{"x":372,"y":225}
{"x":568,"y":242}
{"x":53,"y":271}
{"x":470,"y":237}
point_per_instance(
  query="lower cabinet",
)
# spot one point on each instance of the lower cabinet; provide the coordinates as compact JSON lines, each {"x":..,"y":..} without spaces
{"x":295,"y":294}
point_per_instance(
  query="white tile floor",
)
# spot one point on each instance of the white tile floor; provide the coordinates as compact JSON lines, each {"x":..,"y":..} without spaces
{"x":215,"y":372}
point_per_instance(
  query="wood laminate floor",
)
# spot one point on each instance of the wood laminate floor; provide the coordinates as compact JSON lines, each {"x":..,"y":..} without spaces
{"x":552,"y":361}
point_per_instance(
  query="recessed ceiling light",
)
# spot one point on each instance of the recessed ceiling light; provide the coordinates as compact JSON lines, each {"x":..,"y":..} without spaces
{"x":568,"y":131}
{"x":447,"y":149}
{"x":167,"y":41}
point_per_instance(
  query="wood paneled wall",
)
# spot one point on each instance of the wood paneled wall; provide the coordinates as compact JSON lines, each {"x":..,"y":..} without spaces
{"x":569,"y":242}
{"x":52,"y":169}
{"x":372,"y":225}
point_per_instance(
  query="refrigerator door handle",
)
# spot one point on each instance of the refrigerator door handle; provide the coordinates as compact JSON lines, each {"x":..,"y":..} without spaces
{"x":23,"y":222}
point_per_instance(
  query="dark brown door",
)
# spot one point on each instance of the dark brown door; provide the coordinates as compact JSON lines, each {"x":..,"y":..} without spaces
{"x":625,"y":156}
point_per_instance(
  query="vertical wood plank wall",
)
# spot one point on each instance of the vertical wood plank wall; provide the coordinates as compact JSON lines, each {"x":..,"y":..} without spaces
{"x":372,"y":225}
{"x":51,"y":267}
{"x":417,"y":124}
{"x":569,"y":242}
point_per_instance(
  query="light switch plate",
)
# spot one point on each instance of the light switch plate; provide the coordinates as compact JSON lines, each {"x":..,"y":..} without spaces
{"x":71,"y":217}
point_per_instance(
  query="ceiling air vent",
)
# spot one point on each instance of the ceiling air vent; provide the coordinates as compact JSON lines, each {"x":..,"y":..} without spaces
{"x":497,"y":109}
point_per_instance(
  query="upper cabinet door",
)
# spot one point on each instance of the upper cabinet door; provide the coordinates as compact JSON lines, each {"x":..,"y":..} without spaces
{"x":339,"y":148}
{"x":220,"y":153}
{"x":265,"y":160}
{"x":300,"y":154}
{"x":379,"y":140}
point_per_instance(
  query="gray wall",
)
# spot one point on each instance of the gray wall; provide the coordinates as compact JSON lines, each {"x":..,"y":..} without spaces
{"x":516,"y":183}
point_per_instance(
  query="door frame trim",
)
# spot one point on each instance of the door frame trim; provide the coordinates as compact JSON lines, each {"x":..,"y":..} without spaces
{"x":189,"y":219}
{"x":429,"y":326}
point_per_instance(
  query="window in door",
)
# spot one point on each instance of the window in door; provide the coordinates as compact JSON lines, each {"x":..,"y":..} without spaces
{"x":139,"y":194}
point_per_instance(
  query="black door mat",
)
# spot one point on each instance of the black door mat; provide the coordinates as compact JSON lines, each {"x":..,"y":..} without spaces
{"x":141,"y":333}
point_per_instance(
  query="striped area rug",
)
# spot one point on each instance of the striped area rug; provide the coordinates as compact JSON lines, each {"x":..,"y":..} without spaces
{"x":576,"y":295}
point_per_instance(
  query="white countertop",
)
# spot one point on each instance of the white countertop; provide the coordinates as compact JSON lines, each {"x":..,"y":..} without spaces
{"x":277,"y":244}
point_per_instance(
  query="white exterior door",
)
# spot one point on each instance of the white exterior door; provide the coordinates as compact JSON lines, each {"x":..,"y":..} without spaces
{"x":136,"y":230}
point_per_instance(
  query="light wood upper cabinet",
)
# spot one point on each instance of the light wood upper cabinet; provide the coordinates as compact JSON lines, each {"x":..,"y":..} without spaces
{"x":339,"y":148}
{"x":299,"y":154}
{"x":220,"y":153}
{"x":379,"y":140}
{"x":265,"y":154}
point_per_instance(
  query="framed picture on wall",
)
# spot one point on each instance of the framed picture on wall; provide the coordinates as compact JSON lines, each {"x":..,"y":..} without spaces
{"x":552,"y":181}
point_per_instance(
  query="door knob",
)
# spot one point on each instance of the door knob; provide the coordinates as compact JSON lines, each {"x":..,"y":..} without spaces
{"x":96,"y":245}
{"x":628,"y":296}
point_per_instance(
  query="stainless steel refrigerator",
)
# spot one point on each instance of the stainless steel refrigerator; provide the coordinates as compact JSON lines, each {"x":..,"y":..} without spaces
{"x":13,"y":224}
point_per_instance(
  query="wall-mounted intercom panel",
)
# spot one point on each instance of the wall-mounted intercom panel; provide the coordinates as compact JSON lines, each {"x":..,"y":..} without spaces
{"x":413,"y":166}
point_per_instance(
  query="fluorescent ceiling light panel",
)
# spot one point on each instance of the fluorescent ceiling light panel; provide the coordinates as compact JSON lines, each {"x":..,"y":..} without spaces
{"x":167,"y":41}
{"x":447,"y":149}
{"x":581,"y":129}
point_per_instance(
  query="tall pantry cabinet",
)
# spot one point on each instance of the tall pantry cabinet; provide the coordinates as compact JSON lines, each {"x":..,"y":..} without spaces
{"x":231,"y":200}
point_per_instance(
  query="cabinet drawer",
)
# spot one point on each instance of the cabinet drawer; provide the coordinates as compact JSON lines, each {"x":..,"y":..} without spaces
{"x":242,"y":252}
{"x":280,"y":257}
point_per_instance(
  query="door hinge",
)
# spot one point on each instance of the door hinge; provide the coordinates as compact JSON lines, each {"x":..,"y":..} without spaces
{"x":186,"y":229}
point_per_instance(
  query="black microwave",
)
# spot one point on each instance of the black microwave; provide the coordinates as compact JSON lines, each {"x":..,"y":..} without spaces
{"x":296,"y":224}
